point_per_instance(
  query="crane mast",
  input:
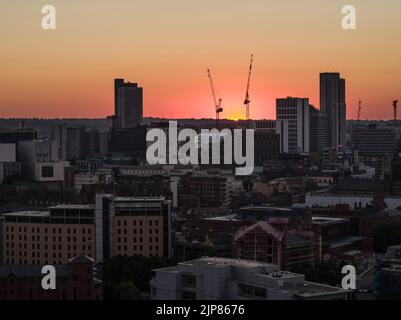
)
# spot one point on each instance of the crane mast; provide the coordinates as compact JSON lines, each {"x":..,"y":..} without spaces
{"x":359,"y":110}
{"x":247,"y":100}
{"x":395,"y":106}
{"x":217,"y":100}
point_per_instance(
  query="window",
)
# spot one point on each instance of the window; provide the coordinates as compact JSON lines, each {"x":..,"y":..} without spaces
{"x":47,"y":172}
{"x":188,"y":281}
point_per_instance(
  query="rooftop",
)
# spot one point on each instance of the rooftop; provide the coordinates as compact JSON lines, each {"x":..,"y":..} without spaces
{"x":27,"y":214}
{"x":73,"y":206}
{"x":328,"y":220}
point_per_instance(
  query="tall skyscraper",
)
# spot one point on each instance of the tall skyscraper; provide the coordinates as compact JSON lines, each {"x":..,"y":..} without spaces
{"x":332,"y":103}
{"x":318,"y":130}
{"x":128,"y":104}
{"x":293,"y":124}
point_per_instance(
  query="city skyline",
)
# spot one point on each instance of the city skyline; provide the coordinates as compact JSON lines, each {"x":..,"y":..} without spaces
{"x":69,"y":72}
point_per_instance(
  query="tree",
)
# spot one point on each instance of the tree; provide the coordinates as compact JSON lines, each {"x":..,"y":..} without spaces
{"x":136,"y":269}
{"x":327,"y":272}
{"x":121,"y":291}
{"x":385,"y":235}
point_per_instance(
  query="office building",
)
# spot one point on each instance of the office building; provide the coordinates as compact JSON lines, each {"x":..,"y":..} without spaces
{"x":49,"y":237}
{"x":68,"y":143}
{"x":9,"y":168}
{"x":36,"y":161}
{"x":15,"y":136}
{"x":375,"y":141}
{"x":233,"y":279}
{"x":267,"y":142}
{"x":211,"y":189}
{"x":332,"y":104}
{"x":293,"y":125}
{"x":319,"y":139}
{"x":388,"y":277}
{"x":131,"y":141}
{"x":128,"y":104}
{"x":132,"y":226}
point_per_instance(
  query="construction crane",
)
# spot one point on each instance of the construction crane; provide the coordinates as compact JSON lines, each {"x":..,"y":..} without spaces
{"x":217,"y":101}
{"x":247,"y":101}
{"x":356,"y":146}
{"x":359,"y":110}
{"x":395,"y":106}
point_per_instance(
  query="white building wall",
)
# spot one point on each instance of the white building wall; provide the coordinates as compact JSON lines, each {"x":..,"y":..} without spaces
{"x":352,"y":201}
{"x":7,"y":152}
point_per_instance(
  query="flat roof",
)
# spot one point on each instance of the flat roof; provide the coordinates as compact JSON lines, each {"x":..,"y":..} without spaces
{"x":207,"y":261}
{"x":136,"y":199}
{"x":74,"y":206}
{"x":27,"y":214}
{"x":328,"y":220}
{"x":311,"y":289}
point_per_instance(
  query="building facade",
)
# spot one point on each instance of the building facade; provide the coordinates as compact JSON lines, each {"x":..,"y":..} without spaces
{"x":293,"y":124}
{"x":132,"y":226}
{"x":233,"y":279}
{"x":128,"y":104}
{"x":75,"y":280}
{"x":333,"y":105}
{"x":51,"y":237}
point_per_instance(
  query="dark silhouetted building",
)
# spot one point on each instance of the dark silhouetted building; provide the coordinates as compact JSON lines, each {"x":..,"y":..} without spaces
{"x":128,"y":104}
{"x":332,"y":104}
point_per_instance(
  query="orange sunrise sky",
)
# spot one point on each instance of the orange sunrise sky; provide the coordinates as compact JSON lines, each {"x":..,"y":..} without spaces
{"x":166,"y":46}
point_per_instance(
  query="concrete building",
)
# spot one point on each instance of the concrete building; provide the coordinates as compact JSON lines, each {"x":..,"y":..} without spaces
{"x":389,"y":275}
{"x":9,"y":168}
{"x":15,"y":136}
{"x":128,"y":104}
{"x":68,"y":143}
{"x":8,"y":152}
{"x":293,"y":124}
{"x":132,"y":226}
{"x":48,"y":237}
{"x":354,"y":201}
{"x":375,"y":141}
{"x":333,"y":105}
{"x":230,"y":279}
{"x":319,"y":139}
{"x":36,"y":158}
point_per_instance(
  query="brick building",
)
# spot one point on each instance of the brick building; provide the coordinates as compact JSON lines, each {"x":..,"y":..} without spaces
{"x":74,"y":281}
{"x":48,"y":237}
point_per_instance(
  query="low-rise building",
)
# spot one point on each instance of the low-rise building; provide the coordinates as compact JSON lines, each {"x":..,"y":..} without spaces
{"x":48,"y":237}
{"x":233,"y":279}
{"x":75,"y":280}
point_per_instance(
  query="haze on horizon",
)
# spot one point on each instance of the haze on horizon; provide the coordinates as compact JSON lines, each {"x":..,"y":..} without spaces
{"x":167,"y":46}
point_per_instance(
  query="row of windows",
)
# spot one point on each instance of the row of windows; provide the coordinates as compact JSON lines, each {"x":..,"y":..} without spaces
{"x":137,"y":248}
{"x":137,"y":231}
{"x":46,"y":247}
{"x":45,"y":238}
{"x":45,"y":230}
{"x":38,"y":254}
{"x":135,"y":223}
{"x":135,"y":239}
{"x":39,"y":262}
